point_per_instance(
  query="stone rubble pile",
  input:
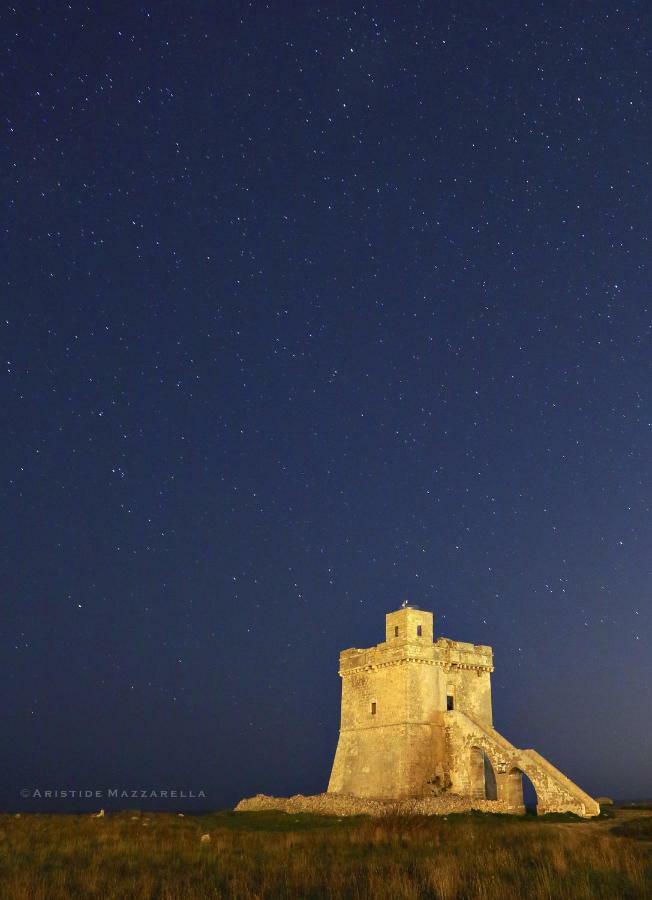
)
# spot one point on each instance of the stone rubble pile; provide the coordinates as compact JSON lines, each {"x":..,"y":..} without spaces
{"x":348,"y":805}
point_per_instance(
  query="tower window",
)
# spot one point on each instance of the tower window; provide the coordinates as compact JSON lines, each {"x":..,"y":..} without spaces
{"x":396,"y":631}
{"x":450,"y":702}
{"x":418,"y":630}
{"x":373,"y":708}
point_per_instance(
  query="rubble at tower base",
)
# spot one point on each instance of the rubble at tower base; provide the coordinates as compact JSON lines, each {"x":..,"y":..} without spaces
{"x":348,"y":805}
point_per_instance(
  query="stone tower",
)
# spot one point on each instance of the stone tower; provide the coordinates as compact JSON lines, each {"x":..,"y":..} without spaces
{"x":417,"y":722}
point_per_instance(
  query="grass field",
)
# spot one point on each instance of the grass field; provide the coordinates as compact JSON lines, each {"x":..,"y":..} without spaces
{"x":274,"y":855}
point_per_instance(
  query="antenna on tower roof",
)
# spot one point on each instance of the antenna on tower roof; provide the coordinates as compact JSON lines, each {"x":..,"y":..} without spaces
{"x":405,"y":604}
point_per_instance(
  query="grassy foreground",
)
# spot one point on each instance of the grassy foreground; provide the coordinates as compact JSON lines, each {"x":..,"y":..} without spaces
{"x":274,"y":855}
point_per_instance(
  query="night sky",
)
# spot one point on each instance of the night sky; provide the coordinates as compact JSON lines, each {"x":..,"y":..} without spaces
{"x":308,"y":309}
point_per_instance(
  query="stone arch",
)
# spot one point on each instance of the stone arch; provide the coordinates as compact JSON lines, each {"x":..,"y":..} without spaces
{"x":482,"y":775}
{"x":513,"y":793}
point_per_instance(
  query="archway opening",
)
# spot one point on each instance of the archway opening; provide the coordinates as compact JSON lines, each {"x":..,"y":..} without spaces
{"x":482,"y":776}
{"x":519,"y":792}
{"x":530,"y":798}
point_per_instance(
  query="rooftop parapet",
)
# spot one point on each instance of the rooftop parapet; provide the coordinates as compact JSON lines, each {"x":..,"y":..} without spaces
{"x":409,"y":635}
{"x":460,"y":653}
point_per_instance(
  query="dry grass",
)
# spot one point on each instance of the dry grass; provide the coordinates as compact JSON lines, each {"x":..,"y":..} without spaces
{"x":272,"y":855}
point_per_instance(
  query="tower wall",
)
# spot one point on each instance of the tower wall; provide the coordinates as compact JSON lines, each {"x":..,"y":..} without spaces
{"x":392,"y":739}
{"x":468,"y":676}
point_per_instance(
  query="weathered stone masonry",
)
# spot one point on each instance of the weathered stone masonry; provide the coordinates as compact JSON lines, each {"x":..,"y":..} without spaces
{"x":417,"y":735}
{"x":417,"y":723}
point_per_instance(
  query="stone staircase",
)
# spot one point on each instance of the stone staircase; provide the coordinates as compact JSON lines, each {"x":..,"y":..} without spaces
{"x":591,"y":806}
{"x":555,"y":792}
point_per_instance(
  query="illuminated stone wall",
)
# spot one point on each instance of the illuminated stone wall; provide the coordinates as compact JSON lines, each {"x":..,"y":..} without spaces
{"x":417,"y":722}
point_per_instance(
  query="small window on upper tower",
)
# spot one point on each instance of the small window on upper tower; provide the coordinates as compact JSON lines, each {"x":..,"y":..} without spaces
{"x":373,"y":708}
{"x":396,"y":631}
{"x":418,"y":630}
{"x":450,"y":703}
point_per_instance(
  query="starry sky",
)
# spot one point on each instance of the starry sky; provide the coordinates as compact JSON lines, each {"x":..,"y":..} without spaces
{"x":307,"y":309}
